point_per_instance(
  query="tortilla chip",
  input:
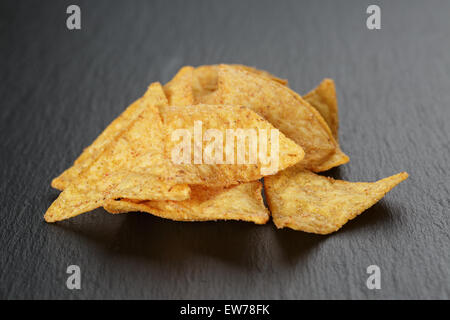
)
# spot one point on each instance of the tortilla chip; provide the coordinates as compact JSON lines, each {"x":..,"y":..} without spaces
{"x":206,"y":79}
{"x":285,"y":109}
{"x":323,"y":99}
{"x":132,"y":166}
{"x":336,"y":159}
{"x":301,"y":200}
{"x":241,"y":202}
{"x":179,"y":90}
{"x":262,"y":73}
{"x":82,"y":197}
{"x":222,"y":119}
{"x":91,"y":153}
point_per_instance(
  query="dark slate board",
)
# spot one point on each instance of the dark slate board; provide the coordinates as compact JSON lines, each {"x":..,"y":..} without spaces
{"x":60,"y":88}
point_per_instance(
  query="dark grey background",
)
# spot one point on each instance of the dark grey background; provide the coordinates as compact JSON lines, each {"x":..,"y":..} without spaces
{"x":60,"y":88}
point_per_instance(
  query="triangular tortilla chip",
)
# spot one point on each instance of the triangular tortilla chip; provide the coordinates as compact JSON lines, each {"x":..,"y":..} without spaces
{"x":242,"y":202}
{"x":223,"y":119}
{"x":179,"y":90}
{"x":134,"y":166}
{"x":323,"y":98}
{"x":285,"y":109}
{"x":302,"y":200}
{"x":91,"y":153}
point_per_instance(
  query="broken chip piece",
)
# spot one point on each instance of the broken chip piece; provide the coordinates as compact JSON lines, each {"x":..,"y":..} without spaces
{"x":302,"y":200}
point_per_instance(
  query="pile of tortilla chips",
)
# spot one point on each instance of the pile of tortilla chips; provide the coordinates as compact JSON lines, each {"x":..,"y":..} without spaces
{"x":129,"y":168}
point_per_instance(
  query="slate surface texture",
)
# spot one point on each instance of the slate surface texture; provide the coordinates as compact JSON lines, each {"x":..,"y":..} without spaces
{"x":60,"y":88}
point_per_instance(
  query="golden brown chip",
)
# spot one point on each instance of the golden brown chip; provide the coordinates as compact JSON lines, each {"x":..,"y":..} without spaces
{"x":262,"y":73}
{"x":83,"y":196}
{"x":336,"y":159}
{"x":302,"y":200}
{"x":206,"y":79}
{"x":323,"y":98}
{"x":91,"y":153}
{"x":285,"y":109}
{"x":225,"y":120}
{"x":241,"y":202}
{"x":179,"y":90}
{"x":132,"y":166}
